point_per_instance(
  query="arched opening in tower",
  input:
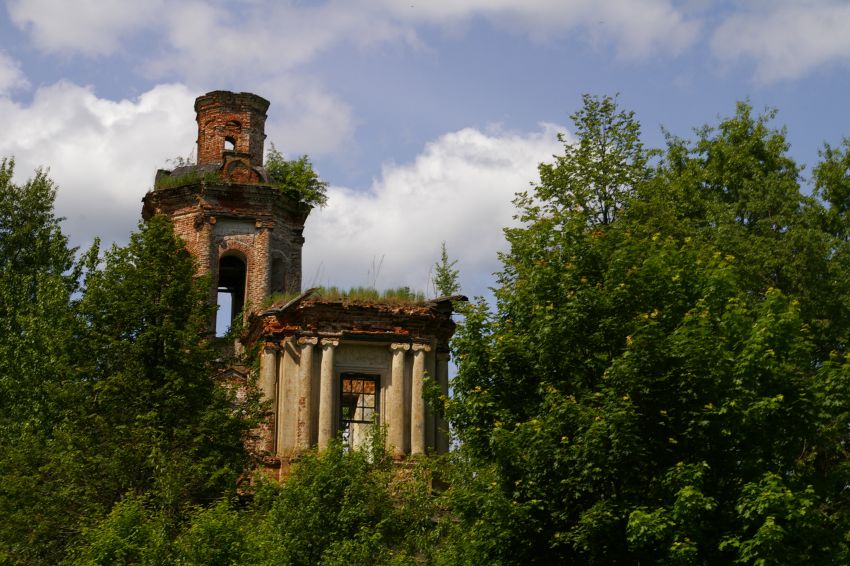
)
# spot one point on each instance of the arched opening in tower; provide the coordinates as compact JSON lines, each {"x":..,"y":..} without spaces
{"x":231,"y":292}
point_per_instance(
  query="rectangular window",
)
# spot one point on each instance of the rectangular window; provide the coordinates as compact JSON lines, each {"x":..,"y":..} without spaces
{"x":358,"y":406}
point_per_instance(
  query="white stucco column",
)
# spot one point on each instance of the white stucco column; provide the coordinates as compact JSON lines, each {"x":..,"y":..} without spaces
{"x":430,"y":424}
{"x":417,"y":401}
{"x":394,"y":418}
{"x":326,"y":393}
{"x":442,"y":434}
{"x":268,"y":387}
{"x":305,"y":391}
{"x":283,"y":414}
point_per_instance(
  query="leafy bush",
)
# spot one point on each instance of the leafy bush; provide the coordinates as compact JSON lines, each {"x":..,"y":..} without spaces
{"x":296,"y":178}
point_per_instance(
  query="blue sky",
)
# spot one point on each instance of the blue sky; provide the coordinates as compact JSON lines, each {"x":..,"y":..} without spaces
{"x":425,"y":117}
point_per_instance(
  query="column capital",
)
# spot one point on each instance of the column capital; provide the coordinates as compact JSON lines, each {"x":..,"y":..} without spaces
{"x":271,"y":347}
{"x":419,"y":347}
{"x":403,"y":346}
{"x":329,"y":343}
{"x":308,"y":340}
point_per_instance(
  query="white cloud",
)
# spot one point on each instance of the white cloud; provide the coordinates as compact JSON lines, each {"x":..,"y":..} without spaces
{"x":90,"y":27}
{"x":11,"y":76}
{"x":256,"y":38}
{"x":304,"y":117}
{"x":206,"y":38}
{"x":638,"y":28}
{"x":458,"y":190}
{"x":786,"y":39}
{"x":102,"y":154}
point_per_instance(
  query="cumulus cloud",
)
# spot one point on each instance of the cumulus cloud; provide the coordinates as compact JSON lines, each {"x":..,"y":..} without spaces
{"x":305,"y":117}
{"x":204,"y":38}
{"x":11,"y":76}
{"x":270,"y":36}
{"x":786,"y":39}
{"x":637,"y":28}
{"x":102,"y":154}
{"x":458,"y":190}
{"x":90,"y":27}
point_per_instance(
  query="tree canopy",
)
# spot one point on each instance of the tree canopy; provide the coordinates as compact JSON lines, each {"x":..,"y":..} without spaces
{"x":106,"y":381}
{"x":665,"y":375}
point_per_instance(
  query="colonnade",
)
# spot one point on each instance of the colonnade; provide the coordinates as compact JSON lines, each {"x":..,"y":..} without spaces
{"x":425,"y":430}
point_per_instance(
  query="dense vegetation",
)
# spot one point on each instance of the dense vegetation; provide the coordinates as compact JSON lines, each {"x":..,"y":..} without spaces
{"x":663,"y":378}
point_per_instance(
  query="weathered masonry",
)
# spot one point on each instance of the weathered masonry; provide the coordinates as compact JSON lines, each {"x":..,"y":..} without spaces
{"x":329,"y":368}
{"x":242,"y":230}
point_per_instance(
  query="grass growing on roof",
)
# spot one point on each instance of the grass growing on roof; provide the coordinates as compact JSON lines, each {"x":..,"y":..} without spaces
{"x":188,"y":178}
{"x":398,"y":295}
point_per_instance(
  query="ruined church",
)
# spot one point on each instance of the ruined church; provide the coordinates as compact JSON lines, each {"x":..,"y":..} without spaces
{"x":329,"y":367}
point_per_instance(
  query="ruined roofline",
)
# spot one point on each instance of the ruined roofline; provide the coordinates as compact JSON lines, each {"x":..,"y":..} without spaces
{"x":225,"y":198}
{"x":372,"y":319}
{"x":230,"y":122}
{"x":314,"y":296}
{"x":227,"y":98}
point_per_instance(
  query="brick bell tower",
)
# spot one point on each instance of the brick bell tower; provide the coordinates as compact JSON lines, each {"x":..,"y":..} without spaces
{"x":242,"y":230}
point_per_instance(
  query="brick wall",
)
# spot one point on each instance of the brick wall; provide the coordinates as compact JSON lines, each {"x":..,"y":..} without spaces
{"x":255,"y":222}
{"x":242,"y":216}
{"x":237,"y":116}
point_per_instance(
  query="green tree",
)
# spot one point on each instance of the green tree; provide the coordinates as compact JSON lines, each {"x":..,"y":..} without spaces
{"x":37,"y":283}
{"x":665,"y":377}
{"x":296,"y":177}
{"x":446,"y":277}
{"x":155,"y":421}
{"x":599,"y":171}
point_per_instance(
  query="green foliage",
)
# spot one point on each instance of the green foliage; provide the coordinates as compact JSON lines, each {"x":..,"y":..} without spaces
{"x":477,"y":521}
{"x":130,"y":534}
{"x":36,"y":286}
{"x":597,"y":173}
{"x":446,"y":277}
{"x":343,"y":507}
{"x":296,"y":178}
{"x":657,"y":382}
{"x":215,"y":536}
{"x":106,"y":391}
{"x":37,"y":283}
{"x":147,"y":372}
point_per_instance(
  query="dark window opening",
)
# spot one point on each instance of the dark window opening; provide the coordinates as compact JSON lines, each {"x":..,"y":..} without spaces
{"x":229,"y":144}
{"x":358,"y":407}
{"x":231,"y":292}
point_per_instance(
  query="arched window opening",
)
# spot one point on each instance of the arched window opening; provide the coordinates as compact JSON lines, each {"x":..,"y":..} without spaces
{"x":278,"y":276}
{"x":229,"y":144}
{"x":231,"y":292}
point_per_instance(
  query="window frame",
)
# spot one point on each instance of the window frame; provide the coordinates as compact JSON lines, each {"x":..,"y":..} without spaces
{"x":344,"y":424}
